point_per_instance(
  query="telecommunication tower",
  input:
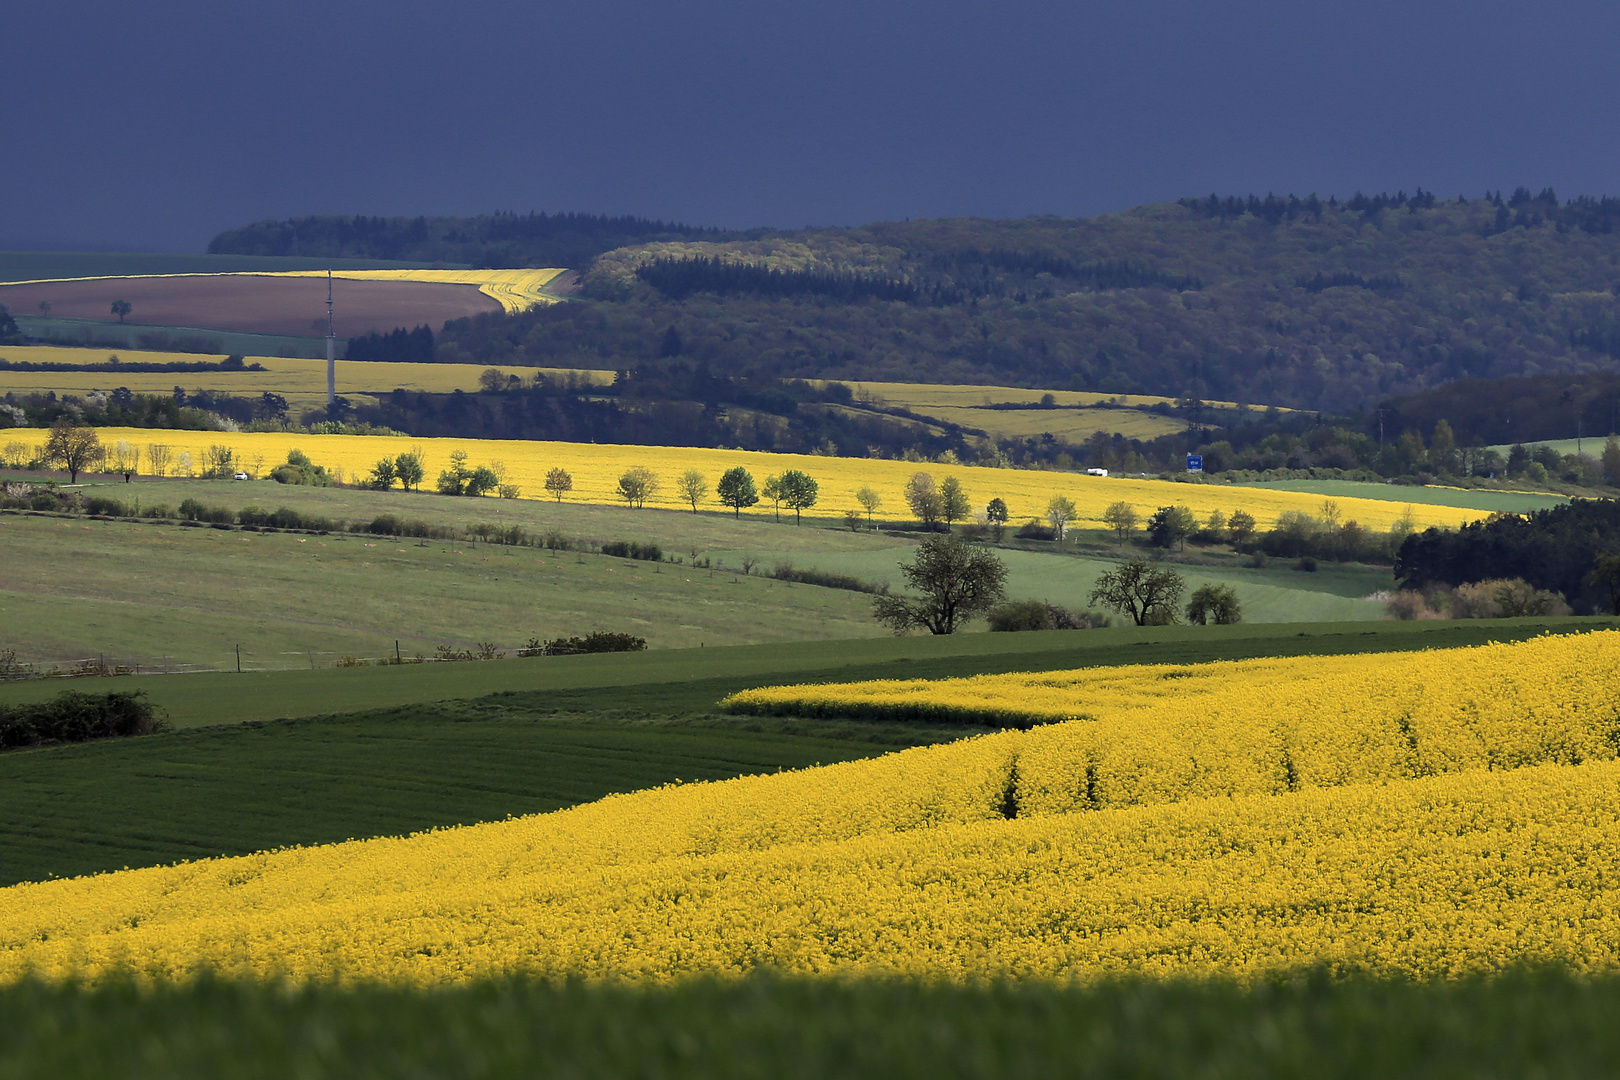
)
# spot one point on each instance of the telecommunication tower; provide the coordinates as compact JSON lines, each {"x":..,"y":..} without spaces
{"x":331,"y":350}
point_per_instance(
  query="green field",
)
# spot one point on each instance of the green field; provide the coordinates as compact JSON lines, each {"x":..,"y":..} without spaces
{"x":84,"y":588}
{"x":1591,"y":446}
{"x":1510,"y":502}
{"x":1313,"y":1028}
{"x":48,"y":265}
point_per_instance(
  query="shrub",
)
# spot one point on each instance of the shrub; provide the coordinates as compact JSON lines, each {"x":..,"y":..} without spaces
{"x":1037,"y":530}
{"x":1017,"y":615}
{"x":631,"y":549}
{"x":598,"y":641}
{"x":786,"y":571}
{"x":76,"y":717}
{"x":157,"y":510}
{"x":252,"y":515}
{"x":44,"y":501}
{"x":101,"y":505}
{"x":1216,"y":604}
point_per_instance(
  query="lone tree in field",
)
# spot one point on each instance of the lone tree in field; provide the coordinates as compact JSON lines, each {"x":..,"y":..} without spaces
{"x":637,"y":485}
{"x":953,"y":501}
{"x":693,"y":486}
{"x":1145,"y":592}
{"x":1216,"y":604}
{"x":1121,"y":517}
{"x":923,"y":497}
{"x":736,"y":490}
{"x":410,"y":470}
{"x":799,"y":492}
{"x":870,"y":501}
{"x":1240,"y":527}
{"x":957,"y":580}
{"x":996,"y":514}
{"x":74,"y":448}
{"x":559,"y":483}
{"x":121,"y":308}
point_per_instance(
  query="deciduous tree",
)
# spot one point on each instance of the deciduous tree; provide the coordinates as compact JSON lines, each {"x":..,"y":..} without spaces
{"x":1145,"y":592}
{"x":736,"y":490}
{"x":121,"y":308}
{"x":693,"y":487}
{"x":637,"y":485}
{"x":1059,"y":512}
{"x":1170,"y":526}
{"x":559,"y":483}
{"x":73,"y":447}
{"x":870,"y":501}
{"x":411,"y":469}
{"x":922,"y":495}
{"x":953,"y":501}
{"x":957,"y":581}
{"x":1121,"y":517}
{"x":799,"y":492}
{"x":996,"y":514}
{"x":1214,"y":604}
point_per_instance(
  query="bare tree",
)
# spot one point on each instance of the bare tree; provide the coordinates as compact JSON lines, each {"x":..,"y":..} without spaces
{"x":125,"y":459}
{"x":159,"y":456}
{"x":1059,"y":512}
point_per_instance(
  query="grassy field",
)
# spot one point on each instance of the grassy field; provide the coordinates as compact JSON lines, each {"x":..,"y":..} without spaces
{"x":1591,"y":446}
{"x":302,"y":381}
{"x":1073,"y":425}
{"x":83,"y":587}
{"x":1533,"y":1024}
{"x":527,"y":735}
{"x":52,"y":265}
{"x":79,"y":588}
{"x":1510,"y":502}
{"x":924,"y":397}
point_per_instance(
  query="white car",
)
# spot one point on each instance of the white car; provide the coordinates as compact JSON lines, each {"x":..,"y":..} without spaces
{"x":242,"y":476}
{"x":1096,"y":472}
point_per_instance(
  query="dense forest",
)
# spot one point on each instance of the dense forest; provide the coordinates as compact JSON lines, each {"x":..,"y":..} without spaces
{"x":489,"y":240}
{"x":1555,"y":549}
{"x":1296,"y":302}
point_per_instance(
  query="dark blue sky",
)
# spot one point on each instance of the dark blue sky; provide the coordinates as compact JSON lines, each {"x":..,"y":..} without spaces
{"x":152,"y":126}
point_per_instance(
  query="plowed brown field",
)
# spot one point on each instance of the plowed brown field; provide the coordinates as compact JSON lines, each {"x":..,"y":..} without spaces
{"x":254,"y":304}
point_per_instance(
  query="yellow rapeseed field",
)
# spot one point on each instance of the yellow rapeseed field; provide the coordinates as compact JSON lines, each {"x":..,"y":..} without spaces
{"x":301,"y":381}
{"x":596,"y":469}
{"x":515,"y":290}
{"x":1162,"y":733}
{"x":911,"y":865}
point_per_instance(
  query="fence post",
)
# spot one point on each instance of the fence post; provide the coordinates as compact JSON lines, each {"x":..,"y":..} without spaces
{"x":396,"y":651}
{"x":239,"y":659}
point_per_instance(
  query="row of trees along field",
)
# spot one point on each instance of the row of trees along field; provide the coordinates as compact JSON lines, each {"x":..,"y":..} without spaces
{"x":1303,"y":303}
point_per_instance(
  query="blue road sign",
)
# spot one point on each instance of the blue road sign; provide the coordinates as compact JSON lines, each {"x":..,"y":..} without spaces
{"x":1195,"y":463}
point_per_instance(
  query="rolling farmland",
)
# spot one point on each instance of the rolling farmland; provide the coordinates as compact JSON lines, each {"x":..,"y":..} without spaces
{"x":596,"y":469}
{"x":906,"y":865}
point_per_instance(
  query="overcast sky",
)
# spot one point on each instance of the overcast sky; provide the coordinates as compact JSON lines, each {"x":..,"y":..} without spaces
{"x":153,"y":126}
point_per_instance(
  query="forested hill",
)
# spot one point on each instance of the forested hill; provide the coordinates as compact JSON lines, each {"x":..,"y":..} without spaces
{"x":1299,"y":302}
{"x":490,"y":240}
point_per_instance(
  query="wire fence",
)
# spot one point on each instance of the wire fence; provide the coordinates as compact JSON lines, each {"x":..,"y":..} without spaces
{"x":106,"y":665}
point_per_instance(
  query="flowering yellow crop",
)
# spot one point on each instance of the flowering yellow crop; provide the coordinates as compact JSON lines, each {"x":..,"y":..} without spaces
{"x":300,"y":380}
{"x":596,"y":470}
{"x":909,"y":865}
{"x":515,"y":290}
{"x":1161,"y":733}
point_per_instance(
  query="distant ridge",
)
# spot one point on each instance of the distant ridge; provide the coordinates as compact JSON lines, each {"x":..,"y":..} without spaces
{"x":497,"y":241}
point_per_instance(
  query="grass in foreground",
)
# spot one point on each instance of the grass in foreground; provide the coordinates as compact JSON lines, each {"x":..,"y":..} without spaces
{"x":1547,"y":1024}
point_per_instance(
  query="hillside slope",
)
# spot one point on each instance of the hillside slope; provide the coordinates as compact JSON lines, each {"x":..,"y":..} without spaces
{"x":1319,"y":305}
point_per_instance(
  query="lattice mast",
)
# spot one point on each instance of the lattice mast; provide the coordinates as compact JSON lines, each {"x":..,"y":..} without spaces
{"x":331,"y":350}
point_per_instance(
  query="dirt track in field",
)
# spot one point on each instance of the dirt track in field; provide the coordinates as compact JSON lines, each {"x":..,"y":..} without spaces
{"x":255,"y":305}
